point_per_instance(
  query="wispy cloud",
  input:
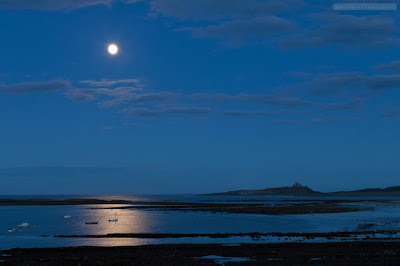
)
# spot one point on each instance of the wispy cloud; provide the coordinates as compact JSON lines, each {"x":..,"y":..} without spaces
{"x":347,"y":30}
{"x":381,"y":82}
{"x":395,"y":112}
{"x":264,"y":99}
{"x":151,"y":113}
{"x":59,"y":4}
{"x":220,"y":9}
{"x":126,"y":96}
{"x":52,"y":5}
{"x":34,"y":87}
{"x":85,"y":95}
{"x":392,"y":66}
{"x":255,"y":21}
{"x":239,"y":31}
{"x":195,"y":111}
{"x":334,"y":83}
{"x":237,"y":21}
{"x":107,"y":83}
{"x":344,"y":83}
{"x":248,"y":113}
{"x":230,"y":21}
{"x":259,"y":99}
{"x":136,"y":98}
{"x":318,"y":121}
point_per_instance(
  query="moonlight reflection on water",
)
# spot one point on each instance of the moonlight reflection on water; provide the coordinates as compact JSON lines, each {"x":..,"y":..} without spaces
{"x":48,"y":221}
{"x":128,"y":220}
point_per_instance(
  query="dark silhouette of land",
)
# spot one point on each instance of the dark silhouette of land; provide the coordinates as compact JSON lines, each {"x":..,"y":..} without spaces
{"x":10,"y":202}
{"x":257,"y":208}
{"x":244,"y":207}
{"x":299,"y":190}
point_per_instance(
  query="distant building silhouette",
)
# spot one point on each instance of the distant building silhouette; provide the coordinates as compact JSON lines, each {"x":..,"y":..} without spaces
{"x":297,"y":184}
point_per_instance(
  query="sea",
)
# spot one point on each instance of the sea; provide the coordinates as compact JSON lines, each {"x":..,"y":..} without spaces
{"x":48,"y":221}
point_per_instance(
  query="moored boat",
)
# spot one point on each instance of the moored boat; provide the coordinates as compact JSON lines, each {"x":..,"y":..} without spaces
{"x":24,"y":225}
{"x":115,"y":218}
{"x":91,"y":222}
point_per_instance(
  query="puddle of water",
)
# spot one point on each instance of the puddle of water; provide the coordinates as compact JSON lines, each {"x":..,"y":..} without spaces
{"x":223,"y":260}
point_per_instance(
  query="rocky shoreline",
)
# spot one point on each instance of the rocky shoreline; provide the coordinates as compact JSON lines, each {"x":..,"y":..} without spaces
{"x":337,"y":253}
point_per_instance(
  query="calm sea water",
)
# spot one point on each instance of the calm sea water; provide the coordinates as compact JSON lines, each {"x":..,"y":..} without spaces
{"x":48,"y":221}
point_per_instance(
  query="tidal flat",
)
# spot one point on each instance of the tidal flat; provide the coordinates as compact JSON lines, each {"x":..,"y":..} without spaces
{"x":244,"y":207}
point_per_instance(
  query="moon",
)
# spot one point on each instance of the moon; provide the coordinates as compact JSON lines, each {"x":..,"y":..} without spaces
{"x":113,"y":49}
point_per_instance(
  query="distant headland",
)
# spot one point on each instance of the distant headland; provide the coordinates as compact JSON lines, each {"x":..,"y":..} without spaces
{"x":298,"y":189}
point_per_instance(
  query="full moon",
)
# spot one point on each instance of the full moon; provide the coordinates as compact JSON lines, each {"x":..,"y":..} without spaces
{"x":113,"y":49}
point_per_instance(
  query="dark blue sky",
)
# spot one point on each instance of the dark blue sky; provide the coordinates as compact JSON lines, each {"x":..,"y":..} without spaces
{"x":204,"y":96}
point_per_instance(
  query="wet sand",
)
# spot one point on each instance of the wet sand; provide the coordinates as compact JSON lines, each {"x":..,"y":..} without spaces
{"x":350,"y":253}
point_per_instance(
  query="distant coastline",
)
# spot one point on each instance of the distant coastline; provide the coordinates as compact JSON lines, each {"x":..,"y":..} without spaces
{"x":11,"y":202}
{"x":298,"y":189}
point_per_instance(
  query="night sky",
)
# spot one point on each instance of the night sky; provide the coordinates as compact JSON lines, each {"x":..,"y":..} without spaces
{"x":203,"y":96}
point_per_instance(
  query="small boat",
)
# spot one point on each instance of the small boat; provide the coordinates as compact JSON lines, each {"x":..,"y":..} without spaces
{"x":24,"y":225}
{"x":91,"y":222}
{"x":115,"y":218}
{"x":12,"y":230}
{"x":67,"y":216}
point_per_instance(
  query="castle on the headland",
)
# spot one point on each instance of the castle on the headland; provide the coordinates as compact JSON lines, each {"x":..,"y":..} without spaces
{"x":298,"y":184}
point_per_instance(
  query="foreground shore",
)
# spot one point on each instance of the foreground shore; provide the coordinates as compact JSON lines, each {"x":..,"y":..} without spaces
{"x":350,"y":253}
